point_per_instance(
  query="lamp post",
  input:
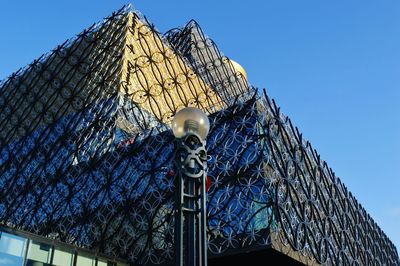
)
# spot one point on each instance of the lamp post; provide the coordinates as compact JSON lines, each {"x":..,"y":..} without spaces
{"x":190,"y":127}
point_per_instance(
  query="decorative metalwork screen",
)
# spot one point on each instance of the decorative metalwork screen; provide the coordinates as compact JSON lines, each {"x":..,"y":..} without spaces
{"x":86,"y":153}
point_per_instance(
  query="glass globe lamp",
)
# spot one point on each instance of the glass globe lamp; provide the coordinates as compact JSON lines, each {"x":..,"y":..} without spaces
{"x":190,"y":120}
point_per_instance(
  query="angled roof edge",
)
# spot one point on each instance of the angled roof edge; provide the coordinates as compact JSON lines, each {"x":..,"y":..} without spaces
{"x":94,"y":27}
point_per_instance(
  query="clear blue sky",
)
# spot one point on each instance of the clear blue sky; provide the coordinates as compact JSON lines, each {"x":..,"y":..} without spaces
{"x":332,"y":66}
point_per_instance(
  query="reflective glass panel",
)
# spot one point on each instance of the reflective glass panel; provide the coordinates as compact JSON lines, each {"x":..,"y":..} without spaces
{"x":85,"y":261}
{"x":62,"y":258}
{"x":38,"y":252}
{"x":12,"y":250}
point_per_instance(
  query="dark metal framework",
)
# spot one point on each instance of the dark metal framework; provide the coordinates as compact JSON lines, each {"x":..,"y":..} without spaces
{"x":86,"y":154}
{"x":191,"y":163}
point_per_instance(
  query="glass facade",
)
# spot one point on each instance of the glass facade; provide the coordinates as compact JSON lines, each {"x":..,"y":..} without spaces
{"x":18,"y":250}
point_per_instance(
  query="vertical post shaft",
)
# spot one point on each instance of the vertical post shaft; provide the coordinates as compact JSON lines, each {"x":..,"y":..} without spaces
{"x":190,"y":219}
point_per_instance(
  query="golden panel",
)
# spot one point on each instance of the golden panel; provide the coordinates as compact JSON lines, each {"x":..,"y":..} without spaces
{"x":158,"y":79}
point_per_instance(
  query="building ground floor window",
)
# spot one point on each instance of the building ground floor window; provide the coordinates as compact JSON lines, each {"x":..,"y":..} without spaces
{"x":23,"y":249}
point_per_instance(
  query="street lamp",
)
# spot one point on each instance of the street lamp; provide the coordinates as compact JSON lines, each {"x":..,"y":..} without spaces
{"x":190,"y":127}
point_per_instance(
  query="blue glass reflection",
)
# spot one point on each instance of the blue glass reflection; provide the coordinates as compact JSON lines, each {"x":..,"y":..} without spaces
{"x":12,"y":250}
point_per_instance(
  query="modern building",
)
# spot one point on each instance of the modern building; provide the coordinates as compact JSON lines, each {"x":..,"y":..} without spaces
{"x":86,"y":172}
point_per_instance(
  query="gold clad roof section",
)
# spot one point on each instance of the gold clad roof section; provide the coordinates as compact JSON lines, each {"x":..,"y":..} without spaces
{"x":159,"y":80}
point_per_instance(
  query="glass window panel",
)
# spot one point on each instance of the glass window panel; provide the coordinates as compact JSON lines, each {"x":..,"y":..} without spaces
{"x":101,"y":262}
{"x":38,"y":252}
{"x":12,"y":249}
{"x":85,"y":261}
{"x":63,"y":258}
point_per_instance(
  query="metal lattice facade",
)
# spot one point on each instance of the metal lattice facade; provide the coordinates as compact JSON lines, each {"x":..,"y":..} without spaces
{"x":86,"y":154}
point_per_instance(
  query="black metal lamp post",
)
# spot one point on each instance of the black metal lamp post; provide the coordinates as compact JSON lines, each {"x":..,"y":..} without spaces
{"x":190,"y":127}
